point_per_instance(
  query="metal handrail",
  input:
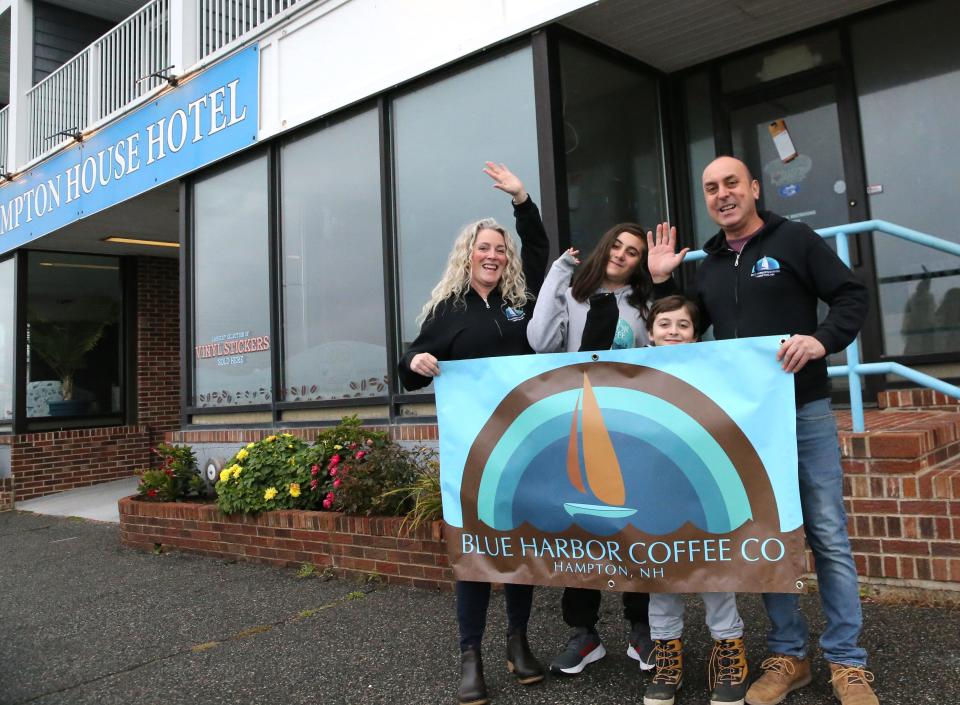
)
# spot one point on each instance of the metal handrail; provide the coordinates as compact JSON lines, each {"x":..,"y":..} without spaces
{"x":854,"y":369}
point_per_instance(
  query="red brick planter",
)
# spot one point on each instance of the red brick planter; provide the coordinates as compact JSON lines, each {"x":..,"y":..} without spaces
{"x":353,"y":546}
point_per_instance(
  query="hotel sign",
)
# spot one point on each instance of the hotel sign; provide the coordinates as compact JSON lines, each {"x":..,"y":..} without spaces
{"x":205,"y":118}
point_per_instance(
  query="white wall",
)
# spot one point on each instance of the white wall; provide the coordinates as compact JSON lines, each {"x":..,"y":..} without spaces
{"x":342,"y":51}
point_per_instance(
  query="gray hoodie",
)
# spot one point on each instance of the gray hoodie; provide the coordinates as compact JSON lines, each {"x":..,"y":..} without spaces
{"x":558,"y":318}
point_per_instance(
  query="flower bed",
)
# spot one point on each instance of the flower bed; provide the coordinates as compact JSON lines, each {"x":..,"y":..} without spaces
{"x":349,"y":545}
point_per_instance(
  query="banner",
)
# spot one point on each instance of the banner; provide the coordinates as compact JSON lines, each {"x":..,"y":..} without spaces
{"x":669,"y":469}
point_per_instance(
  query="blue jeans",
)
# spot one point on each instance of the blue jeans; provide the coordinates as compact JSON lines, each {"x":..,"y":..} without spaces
{"x":825,"y":524}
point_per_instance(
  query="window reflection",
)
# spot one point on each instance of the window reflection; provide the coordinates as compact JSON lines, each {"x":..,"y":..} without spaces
{"x":7,"y":338}
{"x":73,"y":335}
{"x":231,"y":283}
{"x":334,"y":327}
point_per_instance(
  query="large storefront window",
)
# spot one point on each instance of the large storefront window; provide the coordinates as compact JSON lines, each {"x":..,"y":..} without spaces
{"x":231,"y":283}
{"x":443,"y":134}
{"x":334,"y":332}
{"x":74,"y":336}
{"x":611,"y":135}
{"x":7,"y":341}
{"x":908,"y":114}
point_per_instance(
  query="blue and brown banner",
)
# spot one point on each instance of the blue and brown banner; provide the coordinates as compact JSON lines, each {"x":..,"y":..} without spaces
{"x":668,"y":469}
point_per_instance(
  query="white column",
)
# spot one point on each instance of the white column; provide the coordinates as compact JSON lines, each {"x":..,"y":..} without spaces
{"x":184,"y":35}
{"x":21,"y":80}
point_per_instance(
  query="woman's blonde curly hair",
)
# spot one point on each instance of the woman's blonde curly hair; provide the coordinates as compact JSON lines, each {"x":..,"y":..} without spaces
{"x":455,"y":282}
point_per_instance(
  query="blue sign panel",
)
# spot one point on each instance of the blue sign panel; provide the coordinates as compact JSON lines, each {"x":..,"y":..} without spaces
{"x":206,"y":118}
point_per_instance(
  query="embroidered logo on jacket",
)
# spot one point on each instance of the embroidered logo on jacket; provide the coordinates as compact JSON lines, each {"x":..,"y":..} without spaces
{"x":512,"y":314}
{"x":765,"y":267}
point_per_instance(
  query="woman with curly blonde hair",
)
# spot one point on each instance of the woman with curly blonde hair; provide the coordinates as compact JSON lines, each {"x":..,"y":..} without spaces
{"x":480,"y":308}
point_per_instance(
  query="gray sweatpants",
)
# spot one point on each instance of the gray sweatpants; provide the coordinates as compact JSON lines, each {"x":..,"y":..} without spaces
{"x":666,"y":615}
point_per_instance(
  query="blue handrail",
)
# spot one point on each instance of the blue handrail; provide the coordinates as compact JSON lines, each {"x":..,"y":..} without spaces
{"x":854,"y":369}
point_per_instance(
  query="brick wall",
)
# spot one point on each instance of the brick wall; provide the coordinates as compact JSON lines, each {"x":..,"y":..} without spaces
{"x":6,"y":494}
{"x":158,"y":345}
{"x":357,"y":546}
{"x":48,"y":462}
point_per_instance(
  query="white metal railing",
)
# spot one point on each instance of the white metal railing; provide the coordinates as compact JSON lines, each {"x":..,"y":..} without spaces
{"x":4,"y":138}
{"x":58,"y":104}
{"x":127,"y":55}
{"x":222,"y":22}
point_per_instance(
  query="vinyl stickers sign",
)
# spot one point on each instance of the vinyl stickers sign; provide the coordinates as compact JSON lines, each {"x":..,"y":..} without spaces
{"x":658,"y":469}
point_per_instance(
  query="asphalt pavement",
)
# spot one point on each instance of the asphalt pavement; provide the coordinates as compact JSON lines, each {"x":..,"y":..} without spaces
{"x":83,"y":620}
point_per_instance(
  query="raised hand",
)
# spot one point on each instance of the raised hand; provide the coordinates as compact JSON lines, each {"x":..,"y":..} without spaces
{"x":662,"y":255}
{"x":571,"y":256}
{"x":506,"y":181}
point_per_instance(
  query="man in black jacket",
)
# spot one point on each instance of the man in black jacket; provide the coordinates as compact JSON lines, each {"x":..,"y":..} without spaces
{"x":764,"y":275}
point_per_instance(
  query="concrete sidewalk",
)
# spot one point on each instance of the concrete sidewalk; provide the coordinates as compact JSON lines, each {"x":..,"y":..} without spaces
{"x":85,"y":621}
{"x":98,"y":502}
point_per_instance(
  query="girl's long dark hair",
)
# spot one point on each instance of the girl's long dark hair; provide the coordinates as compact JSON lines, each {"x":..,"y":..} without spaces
{"x":589,"y":276}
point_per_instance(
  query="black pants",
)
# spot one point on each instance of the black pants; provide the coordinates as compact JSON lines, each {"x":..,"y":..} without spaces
{"x":472,"y":601}
{"x":581,"y":607}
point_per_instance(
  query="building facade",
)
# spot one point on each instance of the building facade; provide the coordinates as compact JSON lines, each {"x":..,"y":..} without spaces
{"x":218,"y":218}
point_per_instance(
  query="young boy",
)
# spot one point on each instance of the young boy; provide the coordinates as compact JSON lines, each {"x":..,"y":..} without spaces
{"x":674,"y":320}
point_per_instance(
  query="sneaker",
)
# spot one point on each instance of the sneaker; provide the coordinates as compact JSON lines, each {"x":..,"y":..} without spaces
{"x":781,"y":675}
{"x":727,"y":673}
{"x":668,"y":656}
{"x":851,"y":685}
{"x":641,"y":646}
{"x":583,"y":648}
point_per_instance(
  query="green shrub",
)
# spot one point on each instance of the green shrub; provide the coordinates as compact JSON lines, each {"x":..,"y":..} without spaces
{"x":265,"y":475}
{"x":175,"y":479}
{"x":422,"y":497}
{"x":362,"y":485}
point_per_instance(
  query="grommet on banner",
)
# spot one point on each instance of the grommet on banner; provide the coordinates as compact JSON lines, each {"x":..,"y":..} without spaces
{"x":799,"y":585}
{"x":610,"y":583}
{"x":594,"y":357}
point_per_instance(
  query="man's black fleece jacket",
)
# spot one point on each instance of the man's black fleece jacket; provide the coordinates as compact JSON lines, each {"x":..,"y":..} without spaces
{"x":744,"y":295}
{"x":461,"y":330}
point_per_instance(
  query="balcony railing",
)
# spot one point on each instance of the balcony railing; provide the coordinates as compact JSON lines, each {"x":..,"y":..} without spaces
{"x":223,"y":22}
{"x":132,"y":60}
{"x":4,"y":127}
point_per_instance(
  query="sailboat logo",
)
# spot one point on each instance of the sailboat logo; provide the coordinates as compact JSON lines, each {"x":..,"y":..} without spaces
{"x":602,"y":469}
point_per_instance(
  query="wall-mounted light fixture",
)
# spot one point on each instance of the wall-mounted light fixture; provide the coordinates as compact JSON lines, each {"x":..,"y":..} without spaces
{"x":140,"y":241}
{"x":162,"y":74}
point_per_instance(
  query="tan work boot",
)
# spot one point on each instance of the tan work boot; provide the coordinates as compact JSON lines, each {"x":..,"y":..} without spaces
{"x":781,"y":675}
{"x":851,"y":685}
{"x":668,"y":676}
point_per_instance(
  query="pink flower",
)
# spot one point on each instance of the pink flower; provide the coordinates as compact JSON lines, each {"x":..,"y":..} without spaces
{"x":360,"y":454}
{"x":168,"y":472}
{"x":334,"y":459}
{"x":369,"y":441}
{"x":313,"y":484}
{"x":327,"y":503}
{"x":330,"y":496}
{"x":152,"y":493}
{"x":333,"y":472}
{"x":337,"y":483}
{"x":353,"y":445}
{"x":314,"y":469}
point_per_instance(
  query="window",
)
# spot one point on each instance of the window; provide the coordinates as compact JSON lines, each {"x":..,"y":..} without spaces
{"x":7,"y":339}
{"x":611,"y":135}
{"x":74,"y":337}
{"x":334,"y":330}
{"x":443,"y":134}
{"x":231,"y":280}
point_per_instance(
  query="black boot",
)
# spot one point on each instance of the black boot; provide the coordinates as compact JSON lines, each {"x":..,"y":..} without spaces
{"x":520,"y":660}
{"x":473,"y":689}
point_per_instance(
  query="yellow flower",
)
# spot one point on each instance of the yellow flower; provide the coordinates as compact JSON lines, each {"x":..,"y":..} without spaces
{"x":251,"y":445}
{"x":242,"y":454}
{"x":294,"y":489}
{"x":225,"y":474}
{"x":270,"y":493}
{"x":293,"y":461}
{"x":287,"y":435}
{"x":236,"y":471}
{"x":338,"y":447}
{"x":269,"y":439}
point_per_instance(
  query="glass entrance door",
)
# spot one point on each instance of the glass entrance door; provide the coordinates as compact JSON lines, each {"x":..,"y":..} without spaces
{"x":807,"y":166}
